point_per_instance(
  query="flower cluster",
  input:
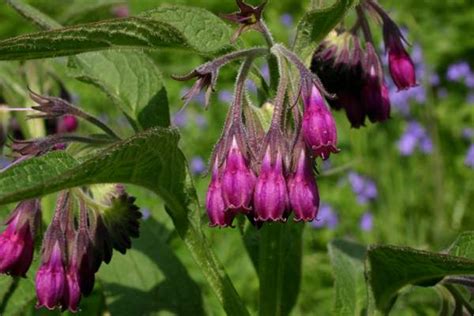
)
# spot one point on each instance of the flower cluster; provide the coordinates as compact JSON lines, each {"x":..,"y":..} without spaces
{"x":74,"y":245}
{"x":267,"y":172}
{"x":88,"y":222}
{"x":350,"y":67}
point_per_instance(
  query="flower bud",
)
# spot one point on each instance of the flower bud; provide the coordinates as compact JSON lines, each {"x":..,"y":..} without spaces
{"x":319,"y":127}
{"x":17,"y":241}
{"x":51,"y":280}
{"x":303,"y":191}
{"x":67,"y":124}
{"x":238,"y":181}
{"x":215,"y":206}
{"x":270,"y":197}
{"x":400,"y":64}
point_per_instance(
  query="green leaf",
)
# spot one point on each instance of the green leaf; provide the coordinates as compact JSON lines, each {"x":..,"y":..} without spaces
{"x":162,"y":28}
{"x":153,"y":275}
{"x":151,"y":159}
{"x":316,"y":24}
{"x":391,"y":268}
{"x":131,"y":79}
{"x":463,"y":246}
{"x":279,"y":267}
{"x":347,"y":260}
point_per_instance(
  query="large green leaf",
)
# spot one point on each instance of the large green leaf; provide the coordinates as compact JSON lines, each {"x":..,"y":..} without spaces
{"x":391,"y":268}
{"x":161,"y":28}
{"x":347,"y":260}
{"x":151,"y":274}
{"x":279,"y":267}
{"x":316,"y":24}
{"x":131,"y":79}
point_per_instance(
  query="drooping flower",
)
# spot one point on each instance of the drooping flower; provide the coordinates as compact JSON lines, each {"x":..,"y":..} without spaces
{"x":51,"y":280}
{"x":375,"y":94}
{"x":215,"y":206}
{"x":319,"y":128}
{"x":17,"y":241}
{"x":238,"y":180}
{"x":303,"y":191}
{"x":270,"y":197}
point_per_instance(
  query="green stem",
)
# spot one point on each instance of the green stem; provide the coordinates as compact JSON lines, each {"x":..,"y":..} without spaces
{"x":460,"y":298}
{"x":271,"y":269}
{"x":204,"y":257}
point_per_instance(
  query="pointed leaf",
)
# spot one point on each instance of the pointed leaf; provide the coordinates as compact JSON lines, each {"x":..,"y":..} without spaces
{"x":131,"y":79}
{"x":162,"y":28}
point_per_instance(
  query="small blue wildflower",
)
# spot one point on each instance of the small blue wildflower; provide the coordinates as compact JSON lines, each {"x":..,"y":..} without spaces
{"x":286,"y":19}
{"x":469,"y":160}
{"x":225,"y":96}
{"x":366,"y":221}
{"x":458,"y":71}
{"x":180,"y":118}
{"x":198,"y":166}
{"x":326,"y":217}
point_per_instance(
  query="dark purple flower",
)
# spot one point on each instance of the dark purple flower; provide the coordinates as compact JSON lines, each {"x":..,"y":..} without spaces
{"x":216,"y":210}
{"x":319,"y":127}
{"x":51,"y":280}
{"x":303,"y":191}
{"x":270,"y":197}
{"x":238,"y":181}
{"x":469,"y":160}
{"x":198,"y":166}
{"x":375,"y":95}
{"x":367,"y":221}
{"x":17,"y":241}
{"x":326,"y":218}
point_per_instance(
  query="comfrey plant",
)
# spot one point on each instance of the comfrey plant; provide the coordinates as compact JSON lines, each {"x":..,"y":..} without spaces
{"x":262,"y":170}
